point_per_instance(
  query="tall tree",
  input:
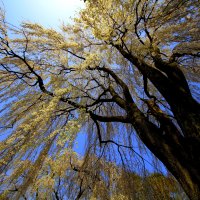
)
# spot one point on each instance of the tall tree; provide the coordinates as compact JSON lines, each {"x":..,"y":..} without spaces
{"x":127,"y":71}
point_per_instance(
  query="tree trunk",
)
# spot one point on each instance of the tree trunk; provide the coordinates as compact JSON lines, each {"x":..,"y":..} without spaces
{"x":179,"y":154}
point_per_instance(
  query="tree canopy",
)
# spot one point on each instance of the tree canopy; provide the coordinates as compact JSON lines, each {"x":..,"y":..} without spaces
{"x":126,"y":74}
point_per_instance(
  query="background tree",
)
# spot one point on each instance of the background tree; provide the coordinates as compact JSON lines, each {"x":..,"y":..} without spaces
{"x":126,"y":72}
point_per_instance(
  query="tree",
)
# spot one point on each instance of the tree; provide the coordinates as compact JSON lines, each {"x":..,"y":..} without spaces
{"x":126,"y":71}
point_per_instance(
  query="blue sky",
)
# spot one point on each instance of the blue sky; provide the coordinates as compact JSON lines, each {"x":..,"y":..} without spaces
{"x":49,"y":13}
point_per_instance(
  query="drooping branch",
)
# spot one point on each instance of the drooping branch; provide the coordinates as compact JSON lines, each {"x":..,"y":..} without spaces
{"x":109,"y":118}
{"x":120,"y":82}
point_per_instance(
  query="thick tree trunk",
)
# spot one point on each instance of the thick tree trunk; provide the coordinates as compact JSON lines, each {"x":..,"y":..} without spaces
{"x":187,"y":113}
{"x":178,"y":153}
